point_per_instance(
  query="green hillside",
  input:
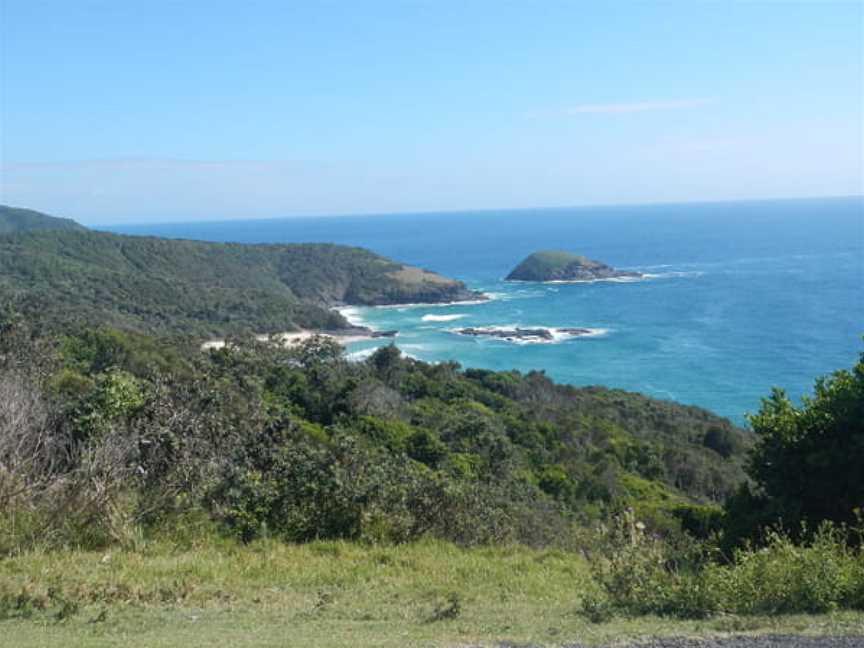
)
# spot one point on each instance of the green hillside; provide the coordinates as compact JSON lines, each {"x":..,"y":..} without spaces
{"x":192,"y":287}
{"x":16,"y":219}
{"x":303,"y":444}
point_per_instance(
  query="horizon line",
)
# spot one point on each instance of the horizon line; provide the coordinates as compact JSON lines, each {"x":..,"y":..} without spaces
{"x":483,"y":210}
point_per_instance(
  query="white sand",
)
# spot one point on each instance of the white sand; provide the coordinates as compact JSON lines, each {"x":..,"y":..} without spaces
{"x":292,"y":337}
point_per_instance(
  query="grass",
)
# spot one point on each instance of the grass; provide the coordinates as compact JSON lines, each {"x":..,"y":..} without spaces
{"x":219,"y":593}
{"x":417,"y":276}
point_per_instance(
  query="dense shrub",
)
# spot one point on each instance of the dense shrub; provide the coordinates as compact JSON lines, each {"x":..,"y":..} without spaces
{"x":638,"y":573}
{"x":127,"y":432}
{"x":807,"y":464}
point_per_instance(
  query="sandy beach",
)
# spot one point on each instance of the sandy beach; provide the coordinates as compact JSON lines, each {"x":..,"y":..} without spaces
{"x":294,"y":337}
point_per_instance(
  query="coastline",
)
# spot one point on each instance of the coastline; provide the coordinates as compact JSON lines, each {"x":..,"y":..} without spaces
{"x":343,"y":337}
{"x":358,"y":332}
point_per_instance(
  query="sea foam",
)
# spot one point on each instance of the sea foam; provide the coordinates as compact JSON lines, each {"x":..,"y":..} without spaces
{"x":360,"y":356}
{"x":352,"y":314}
{"x":693,"y":274}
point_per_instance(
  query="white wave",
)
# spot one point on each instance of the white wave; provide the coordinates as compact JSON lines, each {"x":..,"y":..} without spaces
{"x":470,"y":302}
{"x":414,"y":347}
{"x":519,"y":294}
{"x":645,"y":277}
{"x":442,"y":318}
{"x":365,"y":354}
{"x":360,"y":356}
{"x":693,"y":274}
{"x":411,"y":350}
{"x":352,"y":314}
{"x":602,"y":280}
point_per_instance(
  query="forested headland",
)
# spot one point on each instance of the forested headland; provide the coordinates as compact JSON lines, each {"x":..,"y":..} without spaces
{"x":68,"y":275}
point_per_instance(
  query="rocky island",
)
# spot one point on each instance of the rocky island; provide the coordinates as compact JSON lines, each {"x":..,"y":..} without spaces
{"x":565,"y":266}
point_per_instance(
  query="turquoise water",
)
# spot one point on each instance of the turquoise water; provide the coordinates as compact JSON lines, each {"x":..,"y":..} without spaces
{"x":739,"y":297}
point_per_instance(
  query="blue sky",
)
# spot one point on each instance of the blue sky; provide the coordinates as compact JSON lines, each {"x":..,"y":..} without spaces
{"x":151,"y":111}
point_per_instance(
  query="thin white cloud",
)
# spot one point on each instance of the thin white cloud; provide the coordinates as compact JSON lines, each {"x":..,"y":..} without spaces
{"x":638,"y":106}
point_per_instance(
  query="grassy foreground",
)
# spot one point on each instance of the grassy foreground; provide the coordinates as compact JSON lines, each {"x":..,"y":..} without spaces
{"x":326,"y":594}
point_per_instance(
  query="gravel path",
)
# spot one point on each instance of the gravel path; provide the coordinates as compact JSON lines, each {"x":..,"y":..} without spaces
{"x":764,"y":641}
{"x":768,"y":641}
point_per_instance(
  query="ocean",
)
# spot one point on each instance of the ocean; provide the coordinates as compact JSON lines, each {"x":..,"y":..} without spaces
{"x":737,"y":298}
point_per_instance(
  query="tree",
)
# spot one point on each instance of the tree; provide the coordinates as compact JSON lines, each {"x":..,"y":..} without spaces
{"x":808,"y":463}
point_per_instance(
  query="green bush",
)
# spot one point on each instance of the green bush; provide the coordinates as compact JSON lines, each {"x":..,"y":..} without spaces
{"x":783,"y":577}
{"x":631,"y":567}
{"x":426,"y":447}
{"x":641,"y":574}
{"x":807,"y":464}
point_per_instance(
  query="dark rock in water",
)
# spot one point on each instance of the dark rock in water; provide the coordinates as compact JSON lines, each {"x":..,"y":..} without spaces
{"x":360,"y":331}
{"x":388,"y":334}
{"x":564,"y":266}
{"x":518,"y":333}
{"x":575,"y":331}
{"x":527,"y":334}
